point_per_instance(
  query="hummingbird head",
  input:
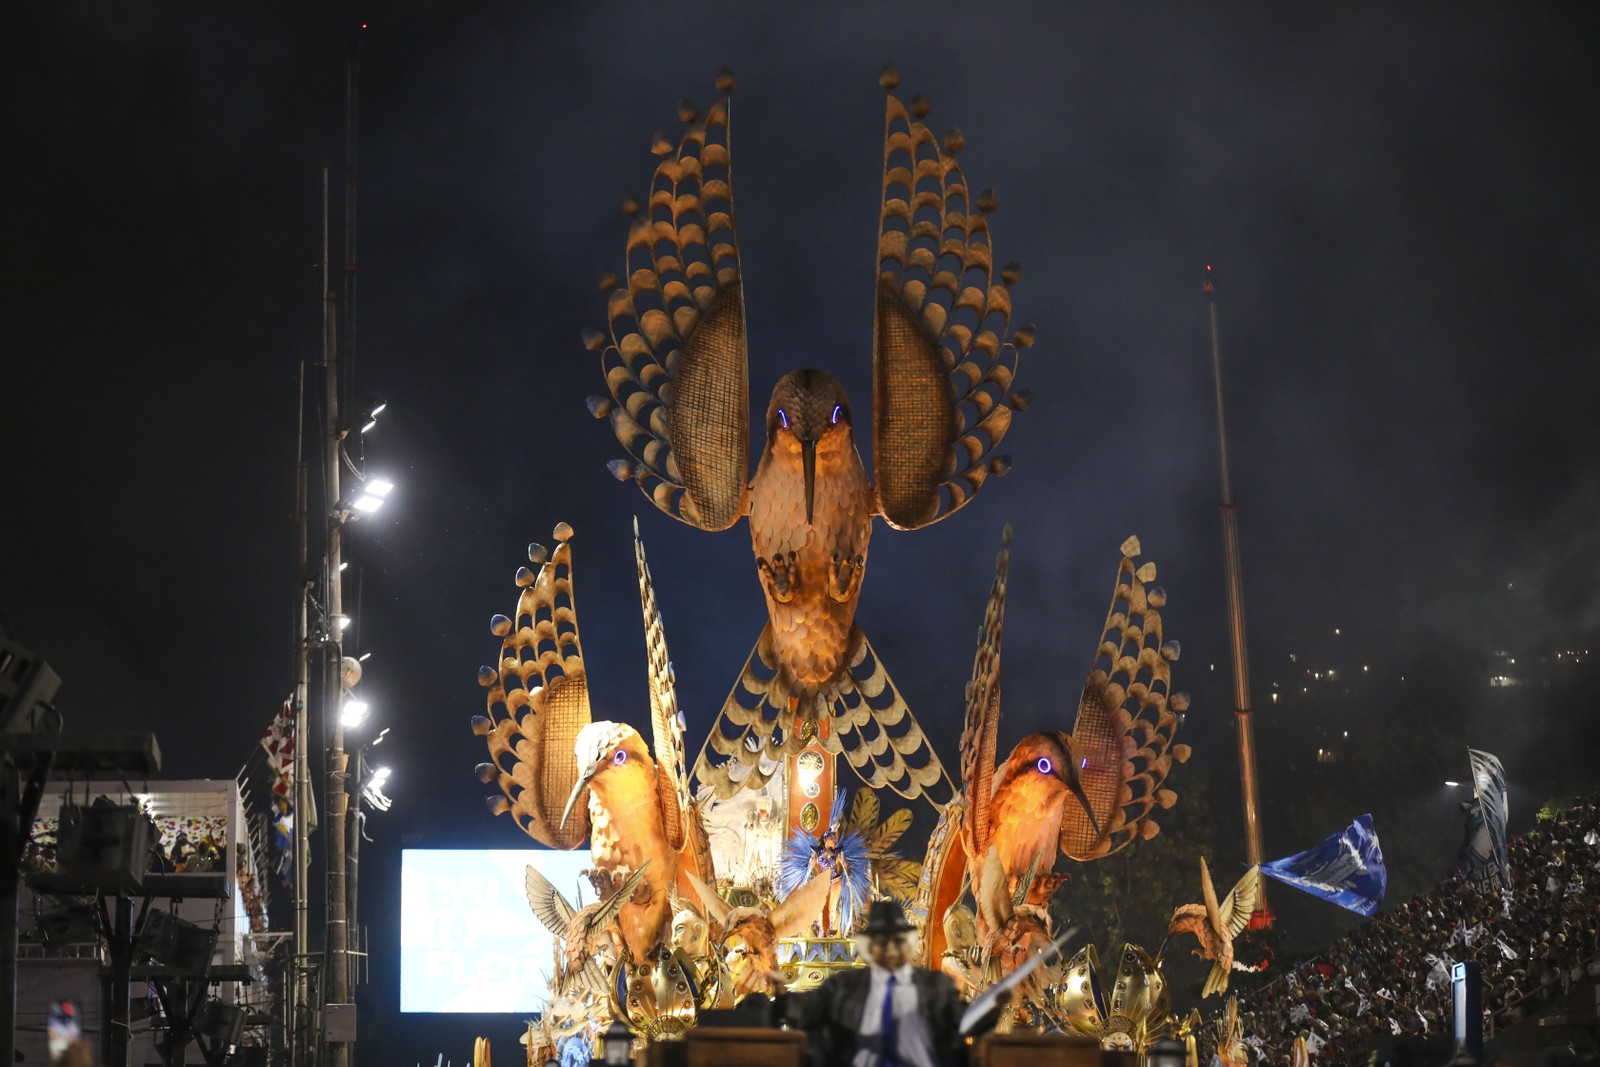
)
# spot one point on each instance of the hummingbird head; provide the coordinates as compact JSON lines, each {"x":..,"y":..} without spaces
{"x":610,"y":755}
{"x":808,"y":410}
{"x":1047,"y":758}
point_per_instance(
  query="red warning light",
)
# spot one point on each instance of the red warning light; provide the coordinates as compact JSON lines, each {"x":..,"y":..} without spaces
{"x":364,"y":26}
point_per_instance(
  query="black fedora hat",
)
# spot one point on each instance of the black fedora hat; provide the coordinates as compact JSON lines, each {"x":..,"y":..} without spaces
{"x":887,"y":917}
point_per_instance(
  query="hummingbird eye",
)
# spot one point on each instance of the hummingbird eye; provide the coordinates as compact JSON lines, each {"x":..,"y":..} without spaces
{"x":1044,"y":765}
{"x":620,"y":758}
{"x":834,"y":421}
{"x":783,"y":417}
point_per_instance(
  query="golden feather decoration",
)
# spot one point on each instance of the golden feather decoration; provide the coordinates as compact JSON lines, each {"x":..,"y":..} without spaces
{"x":538,"y":700}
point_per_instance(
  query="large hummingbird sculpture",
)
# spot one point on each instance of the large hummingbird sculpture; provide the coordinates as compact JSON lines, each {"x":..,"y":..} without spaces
{"x":1083,"y":794}
{"x":677,"y":368}
{"x":628,"y":799}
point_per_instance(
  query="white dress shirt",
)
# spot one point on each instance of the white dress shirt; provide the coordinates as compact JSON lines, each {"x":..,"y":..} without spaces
{"x":915,"y":1050}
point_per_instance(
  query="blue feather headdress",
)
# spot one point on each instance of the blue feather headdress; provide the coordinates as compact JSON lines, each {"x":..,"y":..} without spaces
{"x":803,"y":854}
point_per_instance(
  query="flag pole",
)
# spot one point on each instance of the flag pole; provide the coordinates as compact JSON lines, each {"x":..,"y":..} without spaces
{"x":1243,"y":715}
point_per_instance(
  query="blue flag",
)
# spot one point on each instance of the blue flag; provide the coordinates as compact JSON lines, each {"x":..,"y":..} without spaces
{"x":1347,"y":869}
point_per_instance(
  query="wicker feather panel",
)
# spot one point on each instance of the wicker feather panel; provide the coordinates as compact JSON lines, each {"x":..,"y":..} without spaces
{"x":943,"y":363}
{"x":1126,"y":719}
{"x":872,"y":727}
{"x":980,"y":736}
{"x":676,"y":364}
{"x":538,"y":700}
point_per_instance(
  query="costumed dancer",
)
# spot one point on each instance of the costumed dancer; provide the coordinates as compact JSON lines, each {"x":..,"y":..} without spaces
{"x":891,"y":1014}
{"x":841,"y":856}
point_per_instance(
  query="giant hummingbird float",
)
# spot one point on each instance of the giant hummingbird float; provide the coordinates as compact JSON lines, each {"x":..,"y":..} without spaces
{"x":714,"y":873}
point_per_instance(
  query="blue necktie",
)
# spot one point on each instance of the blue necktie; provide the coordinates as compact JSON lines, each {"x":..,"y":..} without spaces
{"x":891,"y":1031}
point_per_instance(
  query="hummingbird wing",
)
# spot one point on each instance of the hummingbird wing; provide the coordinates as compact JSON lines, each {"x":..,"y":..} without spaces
{"x":745,"y":746}
{"x":676,"y":362}
{"x":874,"y":728}
{"x":1240,"y":904}
{"x":611,"y":907}
{"x":666,"y":721}
{"x":981,"y":733}
{"x":547,"y":903}
{"x":538,"y":700}
{"x":942,"y":361}
{"x":793,"y":918}
{"x":1126,"y":720}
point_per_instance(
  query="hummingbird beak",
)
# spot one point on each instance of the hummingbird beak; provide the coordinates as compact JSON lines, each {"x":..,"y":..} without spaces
{"x":1076,"y":785}
{"x":808,"y":457}
{"x":583,"y":780}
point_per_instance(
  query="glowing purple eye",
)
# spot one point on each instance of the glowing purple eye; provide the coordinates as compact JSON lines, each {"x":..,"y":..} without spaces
{"x":1044,"y":765}
{"x":620,"y":758}
{"x":783,"y":417}
{"x":836,"y":409}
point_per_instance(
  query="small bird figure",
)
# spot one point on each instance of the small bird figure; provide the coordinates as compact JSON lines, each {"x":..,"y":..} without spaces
{"x":1215,"y":924}
{"x":677,"y":369}
{"x":581,"y":930}
{"x":749,"y":936}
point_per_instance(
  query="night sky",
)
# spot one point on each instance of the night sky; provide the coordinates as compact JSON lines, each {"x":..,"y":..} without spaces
{"x":1399,"y":207}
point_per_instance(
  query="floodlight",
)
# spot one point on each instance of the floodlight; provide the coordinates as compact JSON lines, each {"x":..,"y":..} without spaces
{"x":363,"y":657}
{"x":367,"y":503}
{"x":1452,"y":785}
{"x":343,"y":565}
{"x":372,"y":789}
{"x":354,"y":713}
{"x":370,"y":419}
{"x":343,"y":621}
{"x":379,"y":486}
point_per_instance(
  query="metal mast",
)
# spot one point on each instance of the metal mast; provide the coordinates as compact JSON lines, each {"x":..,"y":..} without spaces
{"x":299,"y":1014}
{"x":336,"y":970}
{"x":1243,"y":715}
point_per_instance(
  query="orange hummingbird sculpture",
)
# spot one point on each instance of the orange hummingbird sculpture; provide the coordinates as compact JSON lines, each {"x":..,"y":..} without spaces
{"x":632,"y":805}
{"x":1215,"y":925}
{"x":1009,"y":822}
{"x":678,"y":373}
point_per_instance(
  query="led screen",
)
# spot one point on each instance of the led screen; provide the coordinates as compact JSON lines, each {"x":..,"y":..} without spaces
{"x":468,"y":941}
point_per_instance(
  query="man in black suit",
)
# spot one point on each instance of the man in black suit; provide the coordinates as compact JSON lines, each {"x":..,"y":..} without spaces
{"x":891,"y":1014}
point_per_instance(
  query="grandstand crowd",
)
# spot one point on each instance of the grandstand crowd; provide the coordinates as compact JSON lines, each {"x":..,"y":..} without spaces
{"x":1391,"y":976}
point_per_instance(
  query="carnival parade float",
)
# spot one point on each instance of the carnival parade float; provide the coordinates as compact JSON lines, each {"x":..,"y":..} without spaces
{"x":758,"y":857}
